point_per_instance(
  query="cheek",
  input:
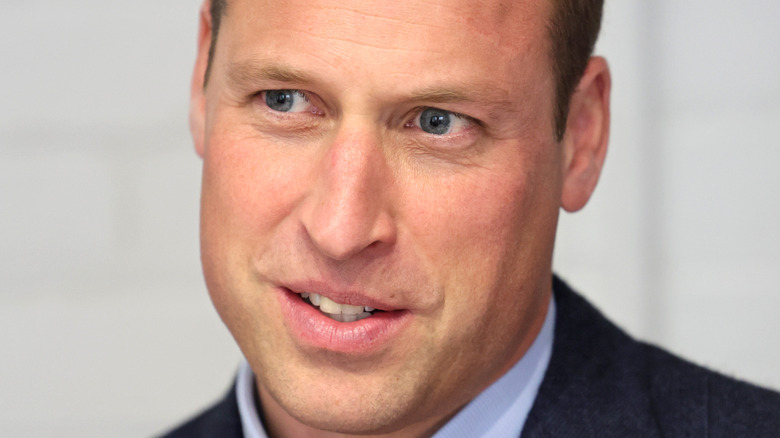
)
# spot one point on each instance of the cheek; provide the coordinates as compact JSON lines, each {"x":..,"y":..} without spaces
{"x":248,"y":187}
{"x":468,"y":220}
{"x":247,"y":192}
{"x":489,"y":233}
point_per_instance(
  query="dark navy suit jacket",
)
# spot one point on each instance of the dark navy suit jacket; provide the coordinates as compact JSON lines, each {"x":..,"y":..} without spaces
{"x":602,"y":383}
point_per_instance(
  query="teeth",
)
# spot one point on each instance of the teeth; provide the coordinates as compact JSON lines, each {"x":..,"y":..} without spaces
{"x":339,"y":312}
{"x":348,"y":318}
{"x":342,"y":317}
{"x":329,"y":306}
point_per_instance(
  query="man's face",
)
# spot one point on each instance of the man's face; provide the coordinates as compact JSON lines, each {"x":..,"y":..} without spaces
{"x":396,"y":155}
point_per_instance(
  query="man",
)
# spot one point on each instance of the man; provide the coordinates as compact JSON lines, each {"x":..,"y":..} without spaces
{"x":381,"y":188}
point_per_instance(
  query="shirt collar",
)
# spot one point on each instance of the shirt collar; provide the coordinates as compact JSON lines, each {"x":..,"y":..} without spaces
{"x":247,"y":409}
{"x":499,"y":411}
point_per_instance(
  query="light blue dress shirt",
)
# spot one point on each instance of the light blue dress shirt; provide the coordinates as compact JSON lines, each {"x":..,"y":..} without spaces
{"x":499,"y":411}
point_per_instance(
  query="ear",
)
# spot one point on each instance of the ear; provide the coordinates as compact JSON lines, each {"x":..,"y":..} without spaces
{"x":587,"y":133}
{"x":197,"y":90}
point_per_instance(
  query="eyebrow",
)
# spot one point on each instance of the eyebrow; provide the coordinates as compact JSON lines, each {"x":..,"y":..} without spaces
{"x":244,"y":74}
{"x":454,"y":95}
{"x":248,"y":72}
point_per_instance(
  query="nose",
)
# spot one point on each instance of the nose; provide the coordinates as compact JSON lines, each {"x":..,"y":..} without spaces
{"x":348,"y":209}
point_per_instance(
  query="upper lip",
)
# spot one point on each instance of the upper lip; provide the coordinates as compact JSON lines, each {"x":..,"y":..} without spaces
{"x":339,"y":295}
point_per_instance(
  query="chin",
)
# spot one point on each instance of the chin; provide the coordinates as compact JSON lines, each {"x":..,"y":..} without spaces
{"x":336,"y":407}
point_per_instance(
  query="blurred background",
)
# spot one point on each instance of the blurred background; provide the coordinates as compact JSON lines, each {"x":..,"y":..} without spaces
{"x":105,"y":324}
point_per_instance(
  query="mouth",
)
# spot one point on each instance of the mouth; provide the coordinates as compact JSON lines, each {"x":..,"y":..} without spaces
{"x":338,"y":311}
{"x":343,"y":322}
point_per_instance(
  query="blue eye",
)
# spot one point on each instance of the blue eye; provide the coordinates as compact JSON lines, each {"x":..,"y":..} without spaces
{"x":286,"y":101}
{"x":440,"y":122}
{"x":435,"y":121}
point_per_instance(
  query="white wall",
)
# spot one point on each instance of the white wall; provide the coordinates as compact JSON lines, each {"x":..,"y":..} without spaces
{"x":680,"y":244}
{"x":105,"y":325}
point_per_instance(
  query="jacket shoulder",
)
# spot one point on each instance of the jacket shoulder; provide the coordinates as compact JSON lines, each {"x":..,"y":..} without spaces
{"x":684,"y":393}
{"x":601,"y":382}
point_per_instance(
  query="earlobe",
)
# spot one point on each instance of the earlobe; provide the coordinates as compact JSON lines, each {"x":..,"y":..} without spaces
{"x":587,"y":133}
{"x":197,"y":90}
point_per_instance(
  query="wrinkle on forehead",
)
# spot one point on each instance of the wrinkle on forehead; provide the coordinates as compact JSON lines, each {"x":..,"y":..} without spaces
{"x":505,"y":23}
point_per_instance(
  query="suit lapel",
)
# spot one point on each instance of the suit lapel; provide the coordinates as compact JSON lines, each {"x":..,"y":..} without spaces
{"x":595,"y":385}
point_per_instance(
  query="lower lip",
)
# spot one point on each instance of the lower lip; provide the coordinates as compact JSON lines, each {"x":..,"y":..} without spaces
{"x":312,"y":328}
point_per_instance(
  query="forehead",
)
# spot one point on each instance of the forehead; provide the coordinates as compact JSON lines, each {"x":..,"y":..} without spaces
{"x":486,"y":17}
{"x":489,"y":15}
{"x":393,"y":46}
{"x":506,"y":27}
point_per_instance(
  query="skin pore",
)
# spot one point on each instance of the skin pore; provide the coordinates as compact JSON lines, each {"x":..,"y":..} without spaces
{"x":397,"y":154}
